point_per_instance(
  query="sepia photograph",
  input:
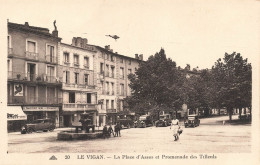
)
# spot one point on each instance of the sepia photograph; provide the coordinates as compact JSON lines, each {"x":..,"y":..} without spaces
{"x":142,"y":82}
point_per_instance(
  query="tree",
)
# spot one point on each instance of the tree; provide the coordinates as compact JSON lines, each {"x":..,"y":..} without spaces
{"x":232,"y":83}
{"x":156,"y":85}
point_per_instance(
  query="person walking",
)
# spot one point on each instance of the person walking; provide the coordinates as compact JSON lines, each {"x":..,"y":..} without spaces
{"x":175,"y":125}
{"x":105,"y":132}
{"x":110,"y":131}
{"x":117,"y":129}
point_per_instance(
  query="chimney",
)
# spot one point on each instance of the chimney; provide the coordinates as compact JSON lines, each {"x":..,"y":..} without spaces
{"x":107,"y":47}
{"x":26,"y":24}
{"x":141,"y":57}
{"x":55,"y":33}
{"x":136,"y":56}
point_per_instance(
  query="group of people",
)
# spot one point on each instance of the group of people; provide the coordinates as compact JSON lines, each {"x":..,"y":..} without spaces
{"x":107,"y":132}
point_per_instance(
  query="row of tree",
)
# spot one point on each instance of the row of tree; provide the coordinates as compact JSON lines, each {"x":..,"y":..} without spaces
{"x":159,"y":84}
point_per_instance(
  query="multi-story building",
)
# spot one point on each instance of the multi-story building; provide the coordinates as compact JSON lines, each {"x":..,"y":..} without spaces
{"x":112,"y":82}
{"x":34,"y":82}
{"x":78,"y":87}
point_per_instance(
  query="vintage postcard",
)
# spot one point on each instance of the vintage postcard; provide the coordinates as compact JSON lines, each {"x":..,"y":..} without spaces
{"x":130,"y":82}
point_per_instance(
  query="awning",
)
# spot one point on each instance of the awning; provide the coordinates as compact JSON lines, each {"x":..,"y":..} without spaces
{"x":15,"y":113}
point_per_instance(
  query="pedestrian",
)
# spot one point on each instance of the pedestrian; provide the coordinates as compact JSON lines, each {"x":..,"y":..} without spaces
{"x":110,"y":130}
{"x":117,"y":129}
{"x":105,"y":132}
{"x":176,"y":127}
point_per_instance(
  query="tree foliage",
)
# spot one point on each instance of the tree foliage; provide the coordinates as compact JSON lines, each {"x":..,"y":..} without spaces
{"x":156,"y":85}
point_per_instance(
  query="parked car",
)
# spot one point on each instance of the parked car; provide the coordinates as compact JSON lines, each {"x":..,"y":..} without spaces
{"x":38,"y":125}
{"x":126,"y":123}
{"x":245,"y":116}
{"x":164,"y":120}
{"x":193,"y":121}
{"x":144,"y":121}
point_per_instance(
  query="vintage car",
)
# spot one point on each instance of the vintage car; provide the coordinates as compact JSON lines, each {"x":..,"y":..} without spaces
{"x":126,"y":123}
{"x":245,"y":116}
{"x":193,"y":121}
{"x":164,"y":120}
{"x":144,"y":121}
{"x":38,"y":125}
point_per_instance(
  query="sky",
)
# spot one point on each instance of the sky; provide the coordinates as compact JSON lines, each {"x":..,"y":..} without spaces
{"x":195,"y":32}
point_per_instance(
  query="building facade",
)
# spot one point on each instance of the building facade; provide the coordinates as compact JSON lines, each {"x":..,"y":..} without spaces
{"x":50,"y":79}
{"x":34,"y":82}
{"x":78,"y":87}
{"x":112,"y":82}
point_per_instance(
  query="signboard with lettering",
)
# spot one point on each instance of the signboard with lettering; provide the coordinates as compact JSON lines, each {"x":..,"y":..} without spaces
{"x":34,"y":108}
{"x":16,"y":116}
{"x":18,"y":90}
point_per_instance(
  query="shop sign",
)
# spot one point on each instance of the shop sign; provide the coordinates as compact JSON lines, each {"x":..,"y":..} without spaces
{"x":16,"y":116}
{"x":31,"y":108}
{"x":18,"y":90}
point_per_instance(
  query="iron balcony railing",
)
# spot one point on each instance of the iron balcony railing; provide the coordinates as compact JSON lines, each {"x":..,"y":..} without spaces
{"x":112,"y":110}
{"x":79,"y":106}
{"x":51,"y":59}
{"x":33,"y":77}
{"x":31,"y":55}
{"x":35,"y":100}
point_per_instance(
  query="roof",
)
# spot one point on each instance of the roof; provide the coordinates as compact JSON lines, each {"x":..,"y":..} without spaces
{"x":31,"y":29}
{"x":116,"y":54}
{"x":90,"y":49}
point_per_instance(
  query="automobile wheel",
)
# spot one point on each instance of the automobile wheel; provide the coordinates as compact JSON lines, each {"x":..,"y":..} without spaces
{"x":51,"y":129}
{"x":30,"y":130}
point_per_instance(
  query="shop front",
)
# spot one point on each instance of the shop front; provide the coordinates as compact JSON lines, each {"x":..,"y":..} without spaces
{"x":38,"y":112}
{"x":16,"y":118}
{"x":111,"y":116}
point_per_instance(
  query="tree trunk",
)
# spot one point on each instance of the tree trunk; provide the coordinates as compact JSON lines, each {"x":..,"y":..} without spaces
{"x":230,"y":111}
{"x":240,"y":111}
{"x":219,"y":111}
{"x":250,"y":113}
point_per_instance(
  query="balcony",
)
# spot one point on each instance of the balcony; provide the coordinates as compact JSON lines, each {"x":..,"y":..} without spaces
{"x":81,"y":86}
{"x":76,"y":64}
{"x":20,"y":76}
{"x":35,"y":100}
{"x":111,"y":110}
{"x":51,"y":59}
{"x":121,"y":76}
{"x":67,"y":63}
{"x":79,"y":106}
{"x":10,"y":50}
{"x":32,"y":55}
{"x":86,"y":66}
